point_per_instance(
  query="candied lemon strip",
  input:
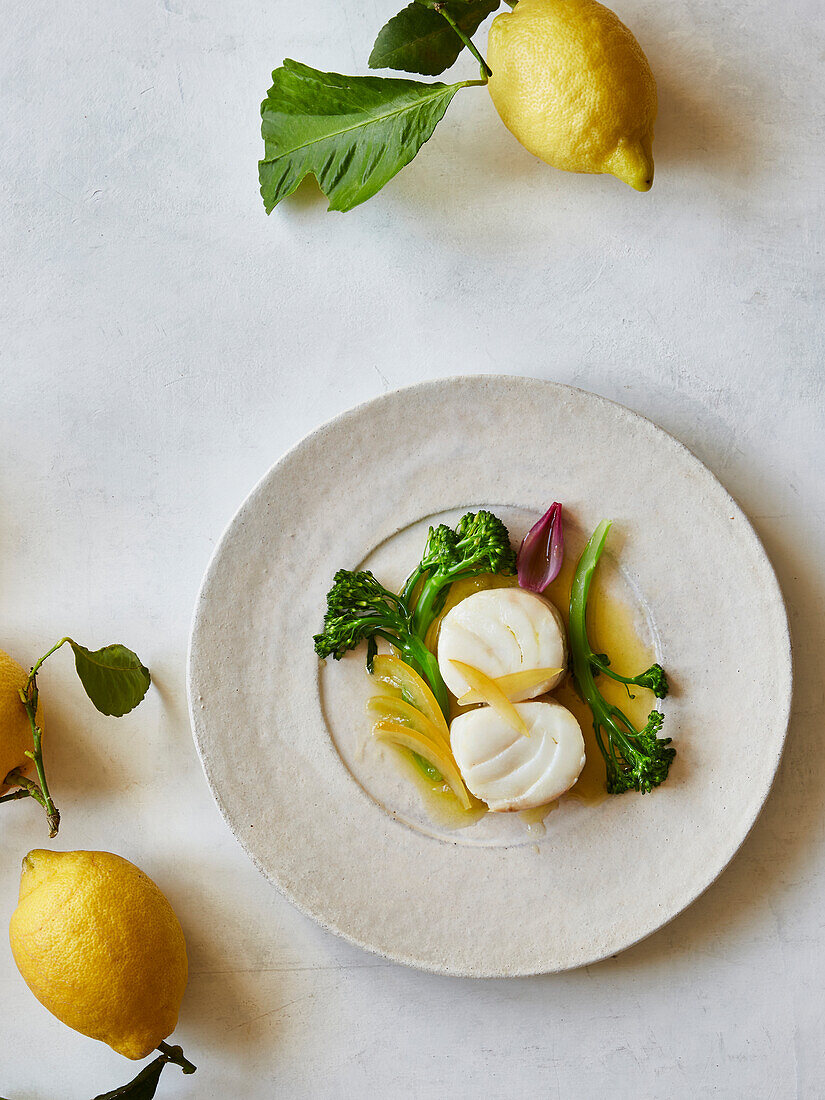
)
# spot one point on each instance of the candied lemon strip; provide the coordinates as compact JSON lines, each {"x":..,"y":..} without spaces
{"x":399,"y":710}
{"x":393,"y":732}
{"x":491,"y":693}
{"x":398,"y":675}
{"x":514,"y":683}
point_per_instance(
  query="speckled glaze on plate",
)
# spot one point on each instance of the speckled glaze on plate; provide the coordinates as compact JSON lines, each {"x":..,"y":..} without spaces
{"x":336,"y":828}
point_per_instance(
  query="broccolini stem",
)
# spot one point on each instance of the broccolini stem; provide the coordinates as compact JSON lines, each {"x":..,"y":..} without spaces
{"x":601,"y":667}
{"x":653,"y":679}
{"x":432,"y":596}
{"x":409,"y":586}
{"x":424,"y":663}
{"x":580,"y":651}
{"x":424,"y":614}
{"x":635,"y":759}
{"x":579,"y":644}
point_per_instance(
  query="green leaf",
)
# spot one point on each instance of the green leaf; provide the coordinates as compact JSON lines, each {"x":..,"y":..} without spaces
{"x":113,"y":677}
{"x":353,"y":133}
{"x":419,"y":40}
{"x":143,"y":1087}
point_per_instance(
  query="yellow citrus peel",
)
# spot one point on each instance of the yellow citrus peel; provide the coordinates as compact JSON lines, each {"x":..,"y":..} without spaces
{"x":491,"y":693}
{"x":405,"y":681}
{"x":514,"y":683}
{"x":399,"y":710}
{"x":396,"y":734}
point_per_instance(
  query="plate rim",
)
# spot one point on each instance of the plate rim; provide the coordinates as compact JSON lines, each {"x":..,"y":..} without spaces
{"x":402,"y":957}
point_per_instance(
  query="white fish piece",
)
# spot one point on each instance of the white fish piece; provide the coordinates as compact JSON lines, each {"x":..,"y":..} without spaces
{"x":509,"y":771}
{"x":500,"y":631}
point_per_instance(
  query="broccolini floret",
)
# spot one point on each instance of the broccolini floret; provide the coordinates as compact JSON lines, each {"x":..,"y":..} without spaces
{"x":359,"y":608}
{"x":635,"y":759}
{"x":479,"y":544}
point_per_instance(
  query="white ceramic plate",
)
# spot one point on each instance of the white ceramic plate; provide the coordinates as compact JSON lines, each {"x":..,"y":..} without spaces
{"x":336,"y":826}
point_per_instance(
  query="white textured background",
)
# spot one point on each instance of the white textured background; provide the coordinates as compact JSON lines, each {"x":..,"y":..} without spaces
{"x":162,"y":342}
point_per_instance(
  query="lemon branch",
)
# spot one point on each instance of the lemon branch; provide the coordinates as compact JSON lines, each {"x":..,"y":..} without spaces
{"x":175,"y":1054}
{"x":27,"y":788}
{"x":115,"y":681}
{"x":486,"y":71}
{"x":15,"y":777}
{"x":29,"y":697}
{"x":146,"y":1082}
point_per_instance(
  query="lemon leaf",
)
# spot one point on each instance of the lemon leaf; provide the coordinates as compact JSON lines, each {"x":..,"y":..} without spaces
{"x":143,"y":1087}
{"x":419,"y":40}
{"x":114,"y":678}
{"x":353,"y":133}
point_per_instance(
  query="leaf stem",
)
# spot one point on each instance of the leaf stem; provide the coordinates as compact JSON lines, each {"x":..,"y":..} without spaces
{"x":36,"y":668}
{"x":486,"y":71}
{"x":175,"y":1054}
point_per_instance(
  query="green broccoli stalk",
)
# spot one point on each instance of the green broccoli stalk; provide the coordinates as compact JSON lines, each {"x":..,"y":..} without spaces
{"x":479,"y":544}
{"x":635,"y":759}
{"x":359,"y":608}
{"x":653,"y":678}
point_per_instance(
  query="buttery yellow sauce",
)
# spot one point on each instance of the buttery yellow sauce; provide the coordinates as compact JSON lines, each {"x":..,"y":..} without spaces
{"x":612,"y":630}
{"x":533,"y":819}
{"x":442,"y":805}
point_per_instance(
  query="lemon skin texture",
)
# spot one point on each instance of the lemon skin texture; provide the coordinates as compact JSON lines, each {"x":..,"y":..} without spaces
{"x":574,"y":86}
{"x":15,"y":731}
{"x":100,"y":947}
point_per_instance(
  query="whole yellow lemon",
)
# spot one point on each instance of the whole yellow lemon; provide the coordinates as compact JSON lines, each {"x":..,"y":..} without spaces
{"x":574,"y":86}
{"x":100,"y":947}
{"x":15,"y":731}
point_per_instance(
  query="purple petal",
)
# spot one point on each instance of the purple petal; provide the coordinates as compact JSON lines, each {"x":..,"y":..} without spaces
{"x":542,"y":551}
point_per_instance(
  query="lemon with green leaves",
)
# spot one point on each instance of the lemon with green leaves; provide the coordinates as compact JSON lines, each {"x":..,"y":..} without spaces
{"x":114,"y":679}
{"x":571,"y":82}
{"x":566,"y":76}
